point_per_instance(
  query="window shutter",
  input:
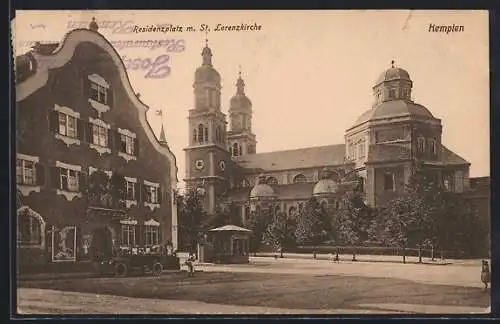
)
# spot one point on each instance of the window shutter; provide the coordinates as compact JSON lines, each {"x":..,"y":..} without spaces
{"x":137,"y":188}
{"x":86,"y":88}
{"x":40,"y":174}
{"x":110,"y":97}
{"x":88,"y":133}
{"x":159,"y":195}
{"x":143,"y":192}
{"x":118,"y":142}
{"x":136,"y":146}
{"x":54,"y":121}
{"x":55,"y":177}
{"x":110,"y":139}
{"x":80,"y":129}
{"x":82,"y":181}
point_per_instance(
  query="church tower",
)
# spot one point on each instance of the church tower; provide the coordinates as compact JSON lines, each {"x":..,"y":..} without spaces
{"x":206,"y":155}
{"x":240,"y":140}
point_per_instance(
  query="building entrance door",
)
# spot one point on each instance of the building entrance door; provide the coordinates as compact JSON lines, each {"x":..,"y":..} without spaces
{"x":102,"y":244}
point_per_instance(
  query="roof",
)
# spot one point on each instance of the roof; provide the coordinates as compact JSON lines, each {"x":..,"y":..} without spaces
{"x":228,"y":228}
{"x":395,"y":108}
{"x":393,"y":73}
{"x":451,"y":158}
{"x":262,"y":190}
{"x":302,"y":158}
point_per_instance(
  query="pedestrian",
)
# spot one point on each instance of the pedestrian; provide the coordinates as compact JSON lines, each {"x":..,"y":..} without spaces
{"x":190,"y":263}
{"x":485,"y":274}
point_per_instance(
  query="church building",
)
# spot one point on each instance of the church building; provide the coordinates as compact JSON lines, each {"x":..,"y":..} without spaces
{"x":379,"y":150}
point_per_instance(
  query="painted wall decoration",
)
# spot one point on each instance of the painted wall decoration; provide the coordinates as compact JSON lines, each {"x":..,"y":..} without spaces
{"x":64,"y":244}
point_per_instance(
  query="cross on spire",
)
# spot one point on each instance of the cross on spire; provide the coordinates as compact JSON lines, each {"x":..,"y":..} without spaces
{"x":392,"y":63}
{"x":206,"y":38}
{"x":239,"y":70}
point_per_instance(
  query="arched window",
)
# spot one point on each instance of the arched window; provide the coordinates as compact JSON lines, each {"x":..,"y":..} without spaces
{"x":421,"y":144}
{"x":200,"y":133}
{"x":217,"y":134}
{"x":30,"y":227}
{"x":324,"y":205}
{"x":235,"y":149}
{"x":292,"y":212}
{"x":277,"y":210}
{"x":272,"y":180}
{"x":240,"y":150}
{"x":299,"y":178}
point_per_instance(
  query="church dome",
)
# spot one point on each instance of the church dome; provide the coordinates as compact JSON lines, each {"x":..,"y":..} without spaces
{"x":262,"y":190}
{"x":393,"y":73}
{"x":240,"y":101}
{"x":395,"y":108}
{"x":206,"y":73}
{"x":326,"y":185}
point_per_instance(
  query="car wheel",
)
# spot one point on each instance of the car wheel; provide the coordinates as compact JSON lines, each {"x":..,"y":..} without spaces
{"x":157,"y":268}
{"x":121,"y":269}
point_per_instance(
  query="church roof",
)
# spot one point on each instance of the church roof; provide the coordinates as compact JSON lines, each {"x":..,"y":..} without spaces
{"x":393,"y":73}
{"x":451,"y":158}
{"x":310,"y":157}
{"x":395,"y":108}
{"x":283,"y":192}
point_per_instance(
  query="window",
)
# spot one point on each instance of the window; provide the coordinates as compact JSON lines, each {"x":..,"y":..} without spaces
{"x":448,"y":184}
{"x":67,"y":125}
{"x":127,"y":144}
{"x":151,"y":235}
{"x":130,"y":190}
{"x":28,"y":229}
{"x":459,"y":181}
{"x":98,"y":93}
{"x":206,"y":134}
{"x":421,"y":144}
{"x":352,"y":151}
{"x":432,"y":146}
{"x":362,"y":149}
{"x":299,"y":178}
{"x":69,"y":180}
{"x":128,"y":234}
{"x":200,"y":133}
{"x":235,"y":149}
{"x":292,"y":212}
{"x":272,"y":180}
{"x":100,"y":135}
{"x":25,"y":172}
{"x":389,"y":182}
{"x":392,"y":93}
{"x":194,"y":135}
{"x":152,"y":195}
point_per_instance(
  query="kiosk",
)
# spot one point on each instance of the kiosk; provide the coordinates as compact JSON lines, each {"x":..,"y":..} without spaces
{"x":230,"y":244}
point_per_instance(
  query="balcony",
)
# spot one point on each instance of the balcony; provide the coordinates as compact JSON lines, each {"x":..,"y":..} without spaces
{"x":105,"y":201}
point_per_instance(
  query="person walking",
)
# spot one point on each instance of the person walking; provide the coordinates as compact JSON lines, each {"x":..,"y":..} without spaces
{"x":485,"y":274}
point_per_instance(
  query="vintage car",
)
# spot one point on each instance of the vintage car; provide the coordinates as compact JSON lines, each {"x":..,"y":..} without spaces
{"x":138,"y":261}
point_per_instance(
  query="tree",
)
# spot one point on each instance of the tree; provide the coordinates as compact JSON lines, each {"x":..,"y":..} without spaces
{"x":257,"y":223}
{"x":227,"y":214}
{"x":312,"y":224}
{"x":279,"y":233}
{"x":191,"y":217}
{"x":353,"y":220}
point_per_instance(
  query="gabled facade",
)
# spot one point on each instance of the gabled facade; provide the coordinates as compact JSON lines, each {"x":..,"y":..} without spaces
{"x":92,"y":178}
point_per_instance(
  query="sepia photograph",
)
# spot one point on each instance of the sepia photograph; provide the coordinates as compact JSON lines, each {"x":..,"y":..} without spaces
{"x":188,"y":162}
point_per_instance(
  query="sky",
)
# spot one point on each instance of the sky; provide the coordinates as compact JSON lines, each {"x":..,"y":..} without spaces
{"x":309,"y":74}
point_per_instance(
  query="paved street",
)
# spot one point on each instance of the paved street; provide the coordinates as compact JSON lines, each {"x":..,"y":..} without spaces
{"x":310,"y":276}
